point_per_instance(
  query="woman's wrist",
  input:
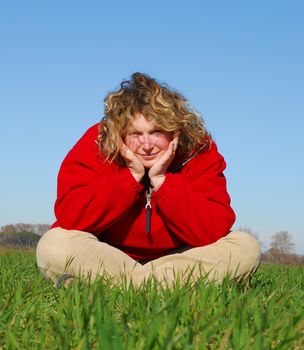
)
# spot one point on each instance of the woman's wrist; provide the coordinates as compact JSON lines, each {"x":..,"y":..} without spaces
{"x":137,"y":177}
{"x":156,"y":182}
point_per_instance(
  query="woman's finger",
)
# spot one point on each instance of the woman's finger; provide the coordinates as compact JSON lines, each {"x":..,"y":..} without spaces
{"x":125,"y":151}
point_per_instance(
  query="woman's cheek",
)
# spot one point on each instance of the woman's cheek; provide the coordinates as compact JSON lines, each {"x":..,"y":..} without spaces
{"x":163,"y":143}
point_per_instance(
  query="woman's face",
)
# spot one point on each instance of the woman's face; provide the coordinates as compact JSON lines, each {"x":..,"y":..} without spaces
{"x":146,"y":141}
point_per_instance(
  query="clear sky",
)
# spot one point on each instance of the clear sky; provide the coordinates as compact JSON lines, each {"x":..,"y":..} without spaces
{"x":240,"y":63}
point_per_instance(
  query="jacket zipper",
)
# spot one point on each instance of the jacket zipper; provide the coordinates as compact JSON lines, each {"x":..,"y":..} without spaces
{"x":150,"y":189}
{"x":148,"y":210}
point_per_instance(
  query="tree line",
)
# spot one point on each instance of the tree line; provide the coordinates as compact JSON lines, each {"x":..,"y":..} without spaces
{"x":21,"y":234}
{"x":281,"y":249}
{"x":279,"y":252}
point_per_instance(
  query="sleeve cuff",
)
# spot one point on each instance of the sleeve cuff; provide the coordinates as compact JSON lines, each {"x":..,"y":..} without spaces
{"x":171,"y":181}
{"x":130,"y":181}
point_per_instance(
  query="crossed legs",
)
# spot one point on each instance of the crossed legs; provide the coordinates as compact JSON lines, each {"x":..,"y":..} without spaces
{"x":79,"y":253}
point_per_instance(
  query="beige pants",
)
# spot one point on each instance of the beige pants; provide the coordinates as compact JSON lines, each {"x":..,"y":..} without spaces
{"x":65,"y":253}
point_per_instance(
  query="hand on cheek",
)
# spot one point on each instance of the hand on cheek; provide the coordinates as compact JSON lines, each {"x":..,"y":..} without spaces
{"x":157,"y":172}
{"x":133,"y":163}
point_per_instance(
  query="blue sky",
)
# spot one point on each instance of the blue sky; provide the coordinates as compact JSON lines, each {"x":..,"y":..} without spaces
{"x":240,"y":63}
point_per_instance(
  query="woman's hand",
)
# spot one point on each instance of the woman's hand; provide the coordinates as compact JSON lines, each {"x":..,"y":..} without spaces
{"x":157,"y":172}
{"x":134,"y":164}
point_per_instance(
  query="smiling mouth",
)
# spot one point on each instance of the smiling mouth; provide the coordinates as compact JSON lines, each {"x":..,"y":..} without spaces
{"x":148,"y":156}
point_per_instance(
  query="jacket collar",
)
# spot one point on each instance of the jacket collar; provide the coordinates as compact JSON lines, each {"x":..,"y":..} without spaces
{"x":180,"y":161}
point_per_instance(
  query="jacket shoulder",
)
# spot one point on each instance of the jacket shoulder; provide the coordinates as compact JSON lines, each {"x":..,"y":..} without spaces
{"x":205,"y":160}
{"x":89,"y":136}
{"x":87,"y":141}
{"x":210,"y":155}
{"x":86,"y":147}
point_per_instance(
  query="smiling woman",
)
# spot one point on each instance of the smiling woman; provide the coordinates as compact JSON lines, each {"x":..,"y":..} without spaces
{"x":150,"y":144}
{"x":146,"y":141}
{"x":142,"y":194}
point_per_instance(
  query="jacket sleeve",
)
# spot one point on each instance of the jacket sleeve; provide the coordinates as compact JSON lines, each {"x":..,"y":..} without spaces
{"x":92,"y":194}
{"x":195,"y":204}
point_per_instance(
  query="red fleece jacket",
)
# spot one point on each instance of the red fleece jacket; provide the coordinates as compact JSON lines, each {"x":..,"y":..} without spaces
{"x":192,"y":207}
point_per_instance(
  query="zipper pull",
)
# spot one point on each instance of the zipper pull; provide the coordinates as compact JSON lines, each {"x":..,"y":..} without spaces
{"x":148,"y":210}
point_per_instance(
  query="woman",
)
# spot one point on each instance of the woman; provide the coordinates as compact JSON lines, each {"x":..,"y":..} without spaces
{"x":142,"y":194}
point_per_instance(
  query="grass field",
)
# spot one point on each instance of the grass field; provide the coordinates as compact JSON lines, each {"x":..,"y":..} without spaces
{"x":264,"y":313}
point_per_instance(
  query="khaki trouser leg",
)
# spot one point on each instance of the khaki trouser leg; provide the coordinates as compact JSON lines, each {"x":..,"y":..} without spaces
{"x":79,"y":253}
{"x":235,"y":255}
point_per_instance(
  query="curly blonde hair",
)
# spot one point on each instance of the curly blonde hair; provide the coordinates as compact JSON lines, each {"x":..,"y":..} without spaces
{"x":167,"y":109}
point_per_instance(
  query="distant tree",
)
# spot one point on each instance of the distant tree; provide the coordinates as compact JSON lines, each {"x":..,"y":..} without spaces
{"x":282,"y":241}
{"x":281,"y":250}
{"x":24,"y":238}
{"x":273,"y":255}
{"x":8,"y":228}
{"x":42,"y":228}
{"x":39,"y":229}
{"x":21,"y":226}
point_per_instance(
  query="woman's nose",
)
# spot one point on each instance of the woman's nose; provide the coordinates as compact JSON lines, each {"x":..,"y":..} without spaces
{"x":146,"y":142}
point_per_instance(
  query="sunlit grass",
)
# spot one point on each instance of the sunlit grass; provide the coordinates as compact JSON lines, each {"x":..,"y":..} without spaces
{"x":266,"y":312}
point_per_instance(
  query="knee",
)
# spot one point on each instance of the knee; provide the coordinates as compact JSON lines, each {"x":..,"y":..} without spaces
{"x":50,"y":245}
{"x":48,"y":239}
{"x":248,"y":245}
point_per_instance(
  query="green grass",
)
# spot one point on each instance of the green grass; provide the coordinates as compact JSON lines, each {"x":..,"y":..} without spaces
{"x":265,"y":313}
